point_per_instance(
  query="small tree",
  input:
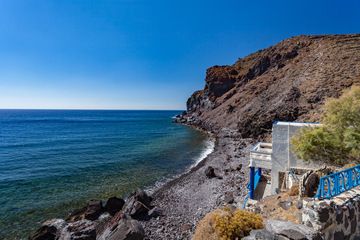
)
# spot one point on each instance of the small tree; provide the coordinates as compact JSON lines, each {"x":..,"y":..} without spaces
{"x":338,"y":139}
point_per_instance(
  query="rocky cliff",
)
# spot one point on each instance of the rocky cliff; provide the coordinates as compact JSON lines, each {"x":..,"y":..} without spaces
{"x":288,"y":82}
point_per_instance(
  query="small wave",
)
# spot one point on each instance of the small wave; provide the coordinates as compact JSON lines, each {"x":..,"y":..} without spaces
{"x":209,"y":148}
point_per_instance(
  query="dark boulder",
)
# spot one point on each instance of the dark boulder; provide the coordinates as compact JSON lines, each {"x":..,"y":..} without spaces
{"x":91,"y":212}
{"x":155,"y":212}
{"x":94,"y":210}
{"x":138,"y":204}
{"x":229,"y":197}
{"x":45,"y":233}
{"x":239,"y":167}
{"x":114,"y":205}
{"x":80,"y":230}
{"x":299,"y":204}
{"x":49,"y":230}
{"x":124,"y":228}
{"x":210,"y":172}
{"x":142,"y":197}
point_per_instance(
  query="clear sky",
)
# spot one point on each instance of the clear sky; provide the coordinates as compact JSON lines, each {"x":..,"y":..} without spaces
{"x":130,"y":54}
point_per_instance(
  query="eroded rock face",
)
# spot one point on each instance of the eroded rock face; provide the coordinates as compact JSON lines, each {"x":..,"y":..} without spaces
{"x":199,"y":101}
{"x":288,"y":81}
{"x":219,"y":80}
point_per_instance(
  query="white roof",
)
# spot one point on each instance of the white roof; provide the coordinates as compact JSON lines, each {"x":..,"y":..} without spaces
{"x":298,"y":124}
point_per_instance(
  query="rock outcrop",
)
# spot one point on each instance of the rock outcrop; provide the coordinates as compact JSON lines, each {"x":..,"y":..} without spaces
{"x":50,"y":230}
{"x":114,"y":221}
{"x":138,"y":205}
{"x":114,"y":205}
{"x":276,"y":229}
{"x":124,"y":228}
{"x":288,"y":81}
{"x":92,"y":211}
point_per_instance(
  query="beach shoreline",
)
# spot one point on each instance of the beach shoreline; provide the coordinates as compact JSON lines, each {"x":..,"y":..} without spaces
{"x":211,"y":143}
{"x":184,"y":200}
{"x":178,"y":202}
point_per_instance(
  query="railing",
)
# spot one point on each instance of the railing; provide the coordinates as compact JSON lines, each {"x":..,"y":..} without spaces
{"x":339,"y":182}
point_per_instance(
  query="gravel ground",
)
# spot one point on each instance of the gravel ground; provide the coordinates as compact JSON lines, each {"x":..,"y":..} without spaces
{"x":185,"y":200}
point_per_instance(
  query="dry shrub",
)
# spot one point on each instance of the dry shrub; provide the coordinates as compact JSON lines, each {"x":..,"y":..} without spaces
{"x":349,"y":165}
{"x":294,"y":190}
{"x":224,"y":224}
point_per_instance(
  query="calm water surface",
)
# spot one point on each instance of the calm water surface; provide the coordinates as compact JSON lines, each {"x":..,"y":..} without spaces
{"x":52,"y":161}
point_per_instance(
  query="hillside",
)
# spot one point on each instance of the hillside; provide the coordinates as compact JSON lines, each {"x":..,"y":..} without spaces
{"x":288,"y":81}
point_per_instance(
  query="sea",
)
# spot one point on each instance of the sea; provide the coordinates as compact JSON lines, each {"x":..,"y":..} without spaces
{"x":55,"y":161}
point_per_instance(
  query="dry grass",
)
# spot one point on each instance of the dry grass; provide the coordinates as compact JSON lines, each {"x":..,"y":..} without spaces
{"x":224,"y":224}
{"x":271,"y":209}
{"x":294,"y":190}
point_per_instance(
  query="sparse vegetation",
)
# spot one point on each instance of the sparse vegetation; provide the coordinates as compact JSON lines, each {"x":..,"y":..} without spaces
{"x":338,"y":139}
{"x":294,"y":190}
{"x":224,"y":224}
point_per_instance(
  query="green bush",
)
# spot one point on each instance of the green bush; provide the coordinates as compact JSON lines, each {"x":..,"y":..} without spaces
{"x":338,"y":139}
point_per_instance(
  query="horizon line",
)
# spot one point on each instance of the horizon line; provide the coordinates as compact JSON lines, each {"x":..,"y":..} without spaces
{"x":92,"y":109}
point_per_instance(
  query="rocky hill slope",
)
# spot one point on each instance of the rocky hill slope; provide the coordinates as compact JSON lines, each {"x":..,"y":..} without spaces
{"x":288,"y":81}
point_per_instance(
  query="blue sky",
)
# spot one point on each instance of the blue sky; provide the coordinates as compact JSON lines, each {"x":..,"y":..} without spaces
{"x":130,"y":54}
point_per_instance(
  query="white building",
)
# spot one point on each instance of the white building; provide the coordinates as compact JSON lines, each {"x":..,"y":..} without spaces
{"x":278,"y":157}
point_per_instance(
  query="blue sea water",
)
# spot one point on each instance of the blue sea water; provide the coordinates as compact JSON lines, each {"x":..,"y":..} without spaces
{"x":54,"y":161}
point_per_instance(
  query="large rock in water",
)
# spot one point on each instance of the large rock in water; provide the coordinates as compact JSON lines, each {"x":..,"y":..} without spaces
{"x":58,"y":229}
{"x":114,"y":205}
{"x":94,"y":210}
{"x":122,"y":227}
{"x":79,"y":230}
{"x":91,"y":212}
{"x":138,"y":204}
{"x":50,"y":230}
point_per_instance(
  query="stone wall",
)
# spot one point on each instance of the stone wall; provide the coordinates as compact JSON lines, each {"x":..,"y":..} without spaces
{"x":338,"y":218}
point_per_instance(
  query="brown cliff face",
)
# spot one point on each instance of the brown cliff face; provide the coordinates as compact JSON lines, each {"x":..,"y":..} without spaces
{"x":288,"y":82}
